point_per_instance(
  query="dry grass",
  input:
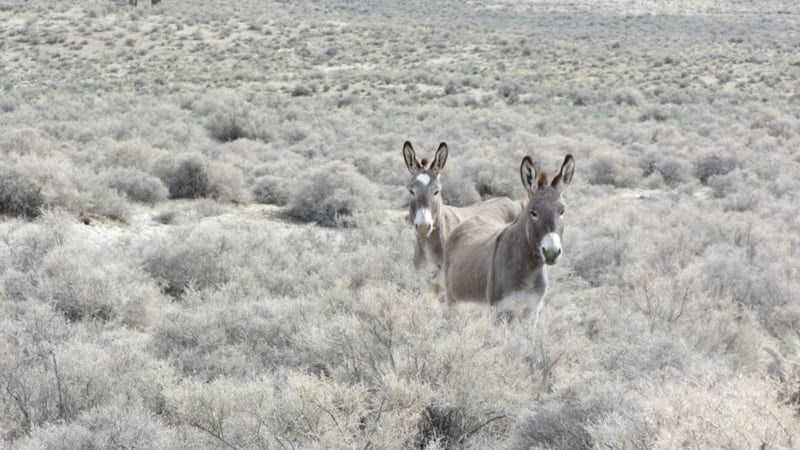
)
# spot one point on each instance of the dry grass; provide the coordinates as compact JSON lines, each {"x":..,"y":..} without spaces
{"x":203,"y":241}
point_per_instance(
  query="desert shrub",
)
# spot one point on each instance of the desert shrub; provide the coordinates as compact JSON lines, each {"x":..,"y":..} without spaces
{"x":52,"y":374}
{"x":509,"y":91}
{"x":19,"y":195}
{"x":382,"y":168}
{"x":131,"y":154}
{"x":683,"y":411}
{"x":301,"y":91}
{"x":75,"y":188}
{"x":189,"y":256}
{"x":191,"y":175}
{"x":104,"y":427}
{"x":658,"y":113}
{"x":136,"y":185}
{"x":24,"y":141}
{"x":227,"y":183}
{"x":271,"y":190}
{"x":489,"y":178}
{"x":381,"y":337}
{"x":599,"y":258}
{"x":323,"y":412}
{"x":710,"y":165}
{"x":333,"y":195}
{"x":628,"y":96}
{"x":212,"y":335}
{"x":559,"y":427}
{"x":672,"y":170}
{"x":89,"y":283}
{"x":728,"y":184}
{"x":776,"y":123}
{"x":9,"y":102}
{"x":185,"y":176}
{"x":613,"y":170}
{"x":458,"y":193}
{"x":234,"y":119}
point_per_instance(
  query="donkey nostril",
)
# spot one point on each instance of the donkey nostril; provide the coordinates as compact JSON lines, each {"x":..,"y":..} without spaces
{"x":551,"y":255}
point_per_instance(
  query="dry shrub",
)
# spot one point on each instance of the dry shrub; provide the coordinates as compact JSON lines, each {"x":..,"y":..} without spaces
{"x":234,"y":119}
{"x":75,"y":188}
{"x":334,"y":194}
{"x":186,"y":176}
{"x":728,"y":184}
{"x":271,"y":190}
{"x":132,"y":154}
{"x":509,"y":91}
{"x":136,"y":185}
{"x":673,"y":171}
{"x":628,"y":96}
{"x":557,"y":427}
{"x":68,"y":266}
{"x":52,"y":375}
{"x":19,"y":195}
{"x":776,"y":123}
{"x":713,"y":165}
{"x":658,"y":113}
{"x":296,"y":409}
{"x":491,"y":178}
{"x":192,"y":175}
{"x":710,"y":408}
{"x":384,"y":337}
{"x":89,"y":283}
{"x":458,"y":193}
{"x":104,"y":427}
{"x":196,"y":257}
{"x":26,"y":141}
{"x":609,"y":168}
{"x":9,"y":102}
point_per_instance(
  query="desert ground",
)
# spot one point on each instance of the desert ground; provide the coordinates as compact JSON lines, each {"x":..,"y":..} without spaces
{"x":204,"y":239}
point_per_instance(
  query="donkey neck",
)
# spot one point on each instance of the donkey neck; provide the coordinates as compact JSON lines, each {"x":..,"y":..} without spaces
{"x":516,"y":250}
{"x":433,"y":244}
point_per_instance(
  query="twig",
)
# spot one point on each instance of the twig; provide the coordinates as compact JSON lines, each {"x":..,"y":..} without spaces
{"x":476,"y":429}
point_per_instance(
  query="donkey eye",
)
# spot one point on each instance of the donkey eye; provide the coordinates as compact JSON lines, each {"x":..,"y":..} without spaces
{"x":411,"y":191}
{"x":534,"y":214}
{"x":436,"y":192}
{"x":561,"y":212}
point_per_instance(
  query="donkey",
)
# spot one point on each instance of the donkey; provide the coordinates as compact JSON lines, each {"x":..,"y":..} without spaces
{"x":433,"y":220}
{"x":503,"y":265}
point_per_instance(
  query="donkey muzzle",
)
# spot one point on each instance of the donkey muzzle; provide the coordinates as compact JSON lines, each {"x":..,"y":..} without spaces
{"x":551,"y":248}
{"x":423,"y":222}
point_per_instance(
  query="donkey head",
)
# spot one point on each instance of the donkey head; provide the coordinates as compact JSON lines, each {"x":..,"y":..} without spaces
{"x":424,"y":188}
{"x":545,"y":209}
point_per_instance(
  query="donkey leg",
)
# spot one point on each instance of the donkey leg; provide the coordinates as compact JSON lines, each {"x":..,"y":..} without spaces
{"x":539,"y":308}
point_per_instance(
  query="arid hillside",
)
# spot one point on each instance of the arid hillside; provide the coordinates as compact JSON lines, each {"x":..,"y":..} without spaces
{"x":204,"y":239}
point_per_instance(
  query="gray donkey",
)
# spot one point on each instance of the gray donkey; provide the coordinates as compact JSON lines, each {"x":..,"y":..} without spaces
{"x":503,"y":265}
{"x":433,"y":220}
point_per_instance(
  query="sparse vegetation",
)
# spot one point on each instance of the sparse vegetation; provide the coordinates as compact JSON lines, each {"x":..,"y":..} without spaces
{"x":203,"y":240}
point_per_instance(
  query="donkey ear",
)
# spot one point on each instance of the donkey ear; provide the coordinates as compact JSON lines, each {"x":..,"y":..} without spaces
{"x":564,"y":176}
{"x":410,"y":157}
{"x":527,"y":172}
{"x":439,"y":158}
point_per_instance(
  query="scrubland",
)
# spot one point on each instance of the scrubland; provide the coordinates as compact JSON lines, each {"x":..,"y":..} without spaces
{"x":204,"y":245}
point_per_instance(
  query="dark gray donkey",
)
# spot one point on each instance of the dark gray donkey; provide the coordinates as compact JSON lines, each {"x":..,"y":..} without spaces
{"x":503,"y":265}
{"x":433,"y":220}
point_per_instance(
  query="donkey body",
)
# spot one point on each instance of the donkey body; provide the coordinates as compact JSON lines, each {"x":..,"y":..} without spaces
{"x":433,"y":220}
{"x":504,"y":265}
